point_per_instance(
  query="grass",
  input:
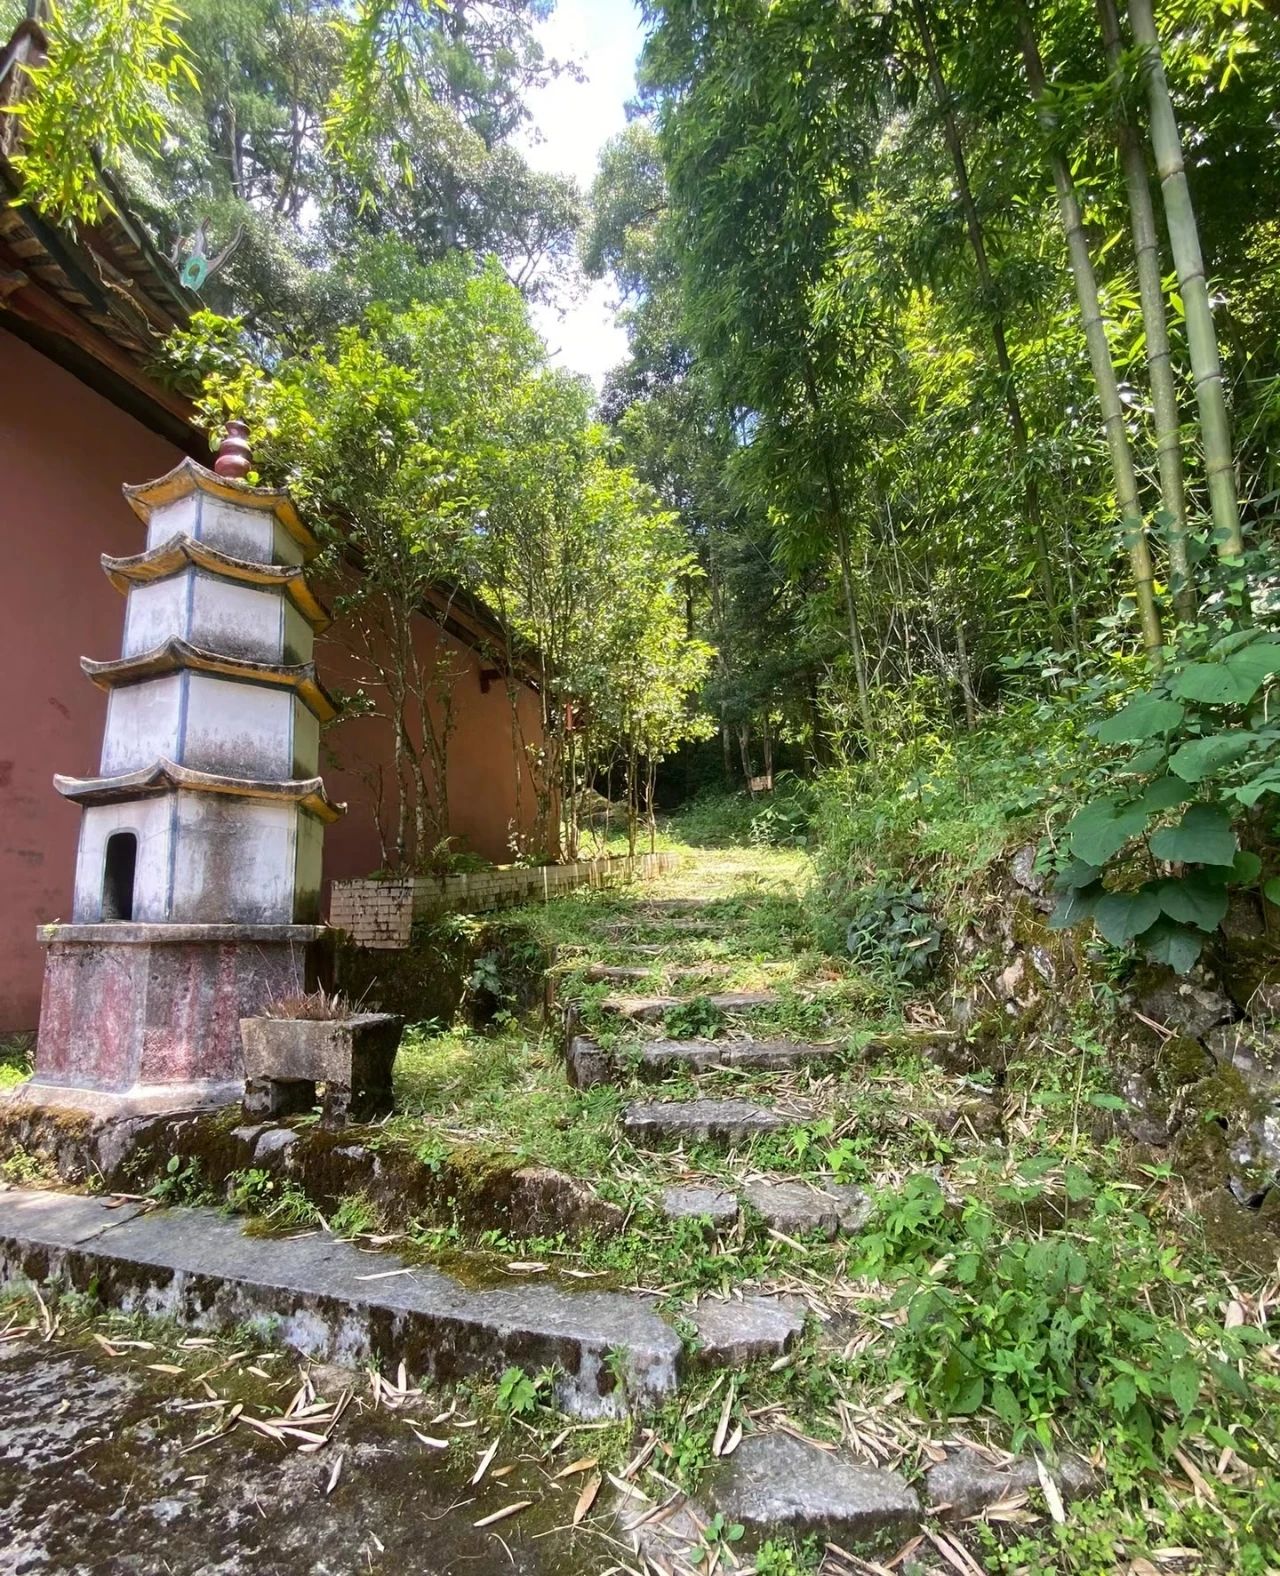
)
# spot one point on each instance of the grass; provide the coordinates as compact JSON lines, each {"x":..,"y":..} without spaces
{"x":17,"y":1056}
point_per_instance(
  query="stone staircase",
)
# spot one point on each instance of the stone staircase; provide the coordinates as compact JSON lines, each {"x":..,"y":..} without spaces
{"x":612,"y":1351}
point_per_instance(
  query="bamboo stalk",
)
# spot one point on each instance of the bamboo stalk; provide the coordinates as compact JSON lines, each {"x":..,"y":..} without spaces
{"x":1104,"y":372}
{"x":1188,"y":262}
{"x":1164,"y":394}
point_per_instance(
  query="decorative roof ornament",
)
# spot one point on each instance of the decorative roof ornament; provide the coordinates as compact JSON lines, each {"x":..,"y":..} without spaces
{"x":235,"y":457}
{"x":196,"y":266}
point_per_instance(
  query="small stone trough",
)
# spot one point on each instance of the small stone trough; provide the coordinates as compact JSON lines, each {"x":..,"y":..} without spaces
{"x":286,"y":1059}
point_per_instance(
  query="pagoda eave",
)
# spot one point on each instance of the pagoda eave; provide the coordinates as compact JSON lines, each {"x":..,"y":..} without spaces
{"x":188,"y":477}
{"x":179,"y":656}
{"x":182,"y":552}
{"x":165,"y":776}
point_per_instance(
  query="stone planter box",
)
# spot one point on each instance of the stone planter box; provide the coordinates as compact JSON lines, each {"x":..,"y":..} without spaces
{"x":286,"y":1058}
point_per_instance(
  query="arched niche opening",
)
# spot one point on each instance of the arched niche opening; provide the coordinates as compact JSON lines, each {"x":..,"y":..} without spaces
{"x":118,"y":872}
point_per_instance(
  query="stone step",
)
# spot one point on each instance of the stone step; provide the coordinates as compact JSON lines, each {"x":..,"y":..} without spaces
{"x":588,"y":1063}
{"x":653,"y":1009}
{"x":631,"y":974}
{"x":694,"y":1121}
{"x":776,"y":1485}
{"x":796,"y":1209}
{"x":661,"y":1058}
{"x":334,"y":1302}
{"x":744,"y":1330}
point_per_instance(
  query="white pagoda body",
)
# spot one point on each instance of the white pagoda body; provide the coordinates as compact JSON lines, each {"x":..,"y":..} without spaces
{"x":197,"y":884}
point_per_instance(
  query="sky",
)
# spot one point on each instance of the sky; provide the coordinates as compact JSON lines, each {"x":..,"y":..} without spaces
{"x":573,"y":120}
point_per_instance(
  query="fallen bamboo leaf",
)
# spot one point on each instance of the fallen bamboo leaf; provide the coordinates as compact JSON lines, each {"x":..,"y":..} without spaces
{"x":485,"y":1461}
{"x":722,"y":1429}
{"x":1052,"y":1498}
{"x":426,"y":1439}
{"x":587,"y":1498}
{"x":334,"y":1474}
{"x":262,"y":1427}
{"x":501,"y":1515}
{"x":583,"y":1464}
{"x":385,"y":1274}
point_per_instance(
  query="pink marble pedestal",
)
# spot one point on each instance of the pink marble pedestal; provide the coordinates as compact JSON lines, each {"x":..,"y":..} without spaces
{"x":138,"y":1019}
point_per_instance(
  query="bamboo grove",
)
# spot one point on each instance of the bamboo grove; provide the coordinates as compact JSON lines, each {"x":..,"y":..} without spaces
{"x":951,"y":340}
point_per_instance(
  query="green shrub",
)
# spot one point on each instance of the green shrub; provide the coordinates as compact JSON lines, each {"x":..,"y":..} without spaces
{"x":1081,"y":1322}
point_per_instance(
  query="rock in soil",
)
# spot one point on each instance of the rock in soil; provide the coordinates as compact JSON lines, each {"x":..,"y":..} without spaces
{"x":967,"y":1483}
{"x":796,"y":1209}
{"x":776,"y":1484}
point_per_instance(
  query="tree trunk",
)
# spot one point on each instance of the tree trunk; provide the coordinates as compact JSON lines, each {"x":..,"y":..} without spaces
{"x":966,"y":677}
{"x":1164,"y":394}
{"x":1184,"y":241}
{"x":995,"y":318}
{"x":835,"y":504}
{"x":1104,"y":372}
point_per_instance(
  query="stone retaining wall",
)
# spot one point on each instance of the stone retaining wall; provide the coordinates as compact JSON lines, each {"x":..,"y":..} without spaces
{"x":382,"y":913}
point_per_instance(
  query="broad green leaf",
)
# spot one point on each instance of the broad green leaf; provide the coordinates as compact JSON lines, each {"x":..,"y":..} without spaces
{"x":1200,"y":758}
{"x":968,"y":1398}
{"x":1121,"y":916}
{"x":1246,"y":866}
{"x":1077,"y":874}
{"x":1202,"y":837}
{"x":1103,"y":827}
{"x":1211,"y":683}
{"x":1228,"y":1377}
{"x":1271,"y":890}
{"x":1123,"y":1394}
{"x":1005,"y":1404}
{"x":1254,"y":665}
{"x":1144,"y":718}
{"x":1164,"y":793}
{"x":1075,"y":906}
{"x":1167,"y":942}
{"x":1249,"y":793}
{"x":1194,"y":901}
{"x":1184,"y":1385}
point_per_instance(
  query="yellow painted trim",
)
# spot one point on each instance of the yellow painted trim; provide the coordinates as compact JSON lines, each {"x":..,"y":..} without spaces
{"x":158,"y":563}
{"x":177,"y":656}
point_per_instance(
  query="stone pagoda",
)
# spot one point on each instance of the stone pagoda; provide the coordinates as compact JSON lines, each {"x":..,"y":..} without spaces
{"x":197,"y":884}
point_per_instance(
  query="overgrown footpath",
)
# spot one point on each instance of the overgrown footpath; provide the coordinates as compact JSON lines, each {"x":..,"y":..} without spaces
{"x":985,"y":1284}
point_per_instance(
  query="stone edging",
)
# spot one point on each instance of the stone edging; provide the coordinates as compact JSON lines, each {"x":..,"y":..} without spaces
{"x":382,"y":913}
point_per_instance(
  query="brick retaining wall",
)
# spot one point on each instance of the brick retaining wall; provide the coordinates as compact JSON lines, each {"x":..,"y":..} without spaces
{"x":382,"y":913}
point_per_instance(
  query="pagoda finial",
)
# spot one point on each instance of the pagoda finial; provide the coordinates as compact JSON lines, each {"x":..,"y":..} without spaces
{"x":234,"y":455}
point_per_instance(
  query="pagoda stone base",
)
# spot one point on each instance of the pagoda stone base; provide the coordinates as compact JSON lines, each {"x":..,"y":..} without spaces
{"x":138,"y":1019}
